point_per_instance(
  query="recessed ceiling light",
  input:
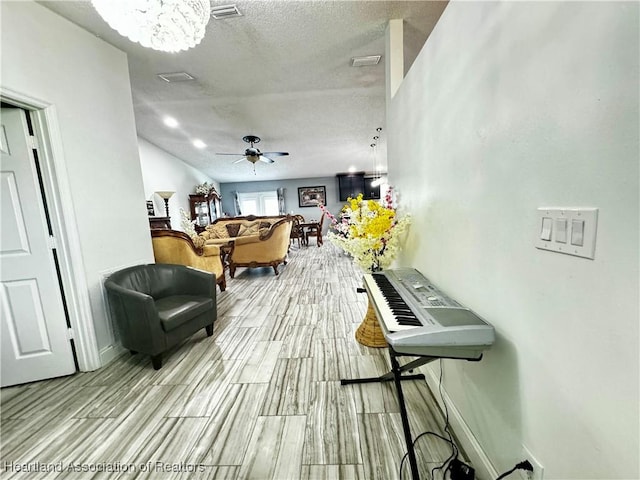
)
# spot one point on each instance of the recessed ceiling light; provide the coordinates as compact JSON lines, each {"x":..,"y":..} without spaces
{"x":199,"y":143}
{"x":170,"y":122}
{"x":365,"y":61}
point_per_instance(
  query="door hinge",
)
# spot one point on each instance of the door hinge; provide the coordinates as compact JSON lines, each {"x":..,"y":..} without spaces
{"x":53,"y":244}
{"x":70,"y":334}
{"x":33,"y":142}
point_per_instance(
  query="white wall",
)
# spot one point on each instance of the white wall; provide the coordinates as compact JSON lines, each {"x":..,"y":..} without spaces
{"x":87,"y":81}
{"x":162,"y":171}
{"x":509,"y":107}
{"x":291,"y":200}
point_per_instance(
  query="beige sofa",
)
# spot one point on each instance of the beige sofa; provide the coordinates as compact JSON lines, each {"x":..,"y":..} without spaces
{"x":252,"y":241}
{"x":227,"y":229}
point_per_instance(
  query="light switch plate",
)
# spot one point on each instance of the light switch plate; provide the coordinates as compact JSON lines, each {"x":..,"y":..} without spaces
{"x":562,"y":242}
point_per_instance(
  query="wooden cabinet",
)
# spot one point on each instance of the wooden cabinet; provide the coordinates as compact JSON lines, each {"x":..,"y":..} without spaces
{"x":353,"y":184}
{"x":204,"y":209}
{"x":370,"y":192}
{"x":350,"y":185}
{"x":199,"y":208}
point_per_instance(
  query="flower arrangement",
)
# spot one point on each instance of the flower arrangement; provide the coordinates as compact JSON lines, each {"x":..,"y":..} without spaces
{"x":187,"y":224}
{"x":188,"y":227}
{"x":369,"y":231}
{"x":205,"y":189}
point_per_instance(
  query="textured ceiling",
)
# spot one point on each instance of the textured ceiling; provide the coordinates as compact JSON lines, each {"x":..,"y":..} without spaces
{"x":282,"y":72}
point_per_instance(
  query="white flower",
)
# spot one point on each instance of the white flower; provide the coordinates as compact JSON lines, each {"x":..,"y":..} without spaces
{"x":205,"y":189}
{"x":187,"y":224}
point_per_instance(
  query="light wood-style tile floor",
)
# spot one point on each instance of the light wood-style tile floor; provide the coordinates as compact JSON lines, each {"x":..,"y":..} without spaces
{"x":260,"y":399}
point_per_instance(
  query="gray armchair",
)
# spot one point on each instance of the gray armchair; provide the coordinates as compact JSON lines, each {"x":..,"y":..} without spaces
{"x":156,"y":306}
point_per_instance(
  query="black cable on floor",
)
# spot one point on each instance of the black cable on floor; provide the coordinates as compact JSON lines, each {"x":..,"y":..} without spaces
{"x":446,"y":429}
{"x":524,"y":465}
{"x":453,"y":446}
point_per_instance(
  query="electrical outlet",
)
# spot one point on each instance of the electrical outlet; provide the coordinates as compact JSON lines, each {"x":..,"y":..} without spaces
{"x":538,"y":469}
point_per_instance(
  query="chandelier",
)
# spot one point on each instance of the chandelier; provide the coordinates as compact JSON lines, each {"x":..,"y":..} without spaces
{"x":165,"y":25}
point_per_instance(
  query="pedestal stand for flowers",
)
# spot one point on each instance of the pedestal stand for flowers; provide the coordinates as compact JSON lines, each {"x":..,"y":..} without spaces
{"x":369,"y":332}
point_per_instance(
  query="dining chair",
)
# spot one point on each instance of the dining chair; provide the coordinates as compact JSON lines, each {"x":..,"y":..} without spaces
{"x":297,"y":230}
{"x":315,"y":231}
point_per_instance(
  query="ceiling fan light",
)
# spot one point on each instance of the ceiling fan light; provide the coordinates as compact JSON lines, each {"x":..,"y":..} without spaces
{"x":165,"y":25}
{"x":253,"y":154}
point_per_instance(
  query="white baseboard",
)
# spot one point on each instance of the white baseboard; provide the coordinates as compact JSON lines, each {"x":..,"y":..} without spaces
{"x":467,"y":440}
{"x":110,"y":353}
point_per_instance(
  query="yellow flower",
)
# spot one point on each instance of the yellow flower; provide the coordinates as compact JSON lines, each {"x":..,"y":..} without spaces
{"x":354,"y":203}
{"x":378,"y":226}
{"x":371,"y":234}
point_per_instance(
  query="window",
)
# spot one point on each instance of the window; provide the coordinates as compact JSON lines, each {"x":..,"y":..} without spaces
{"x":258,"y":203}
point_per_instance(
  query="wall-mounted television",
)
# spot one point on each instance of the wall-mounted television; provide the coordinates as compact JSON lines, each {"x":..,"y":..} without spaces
{"x":353,"y":184}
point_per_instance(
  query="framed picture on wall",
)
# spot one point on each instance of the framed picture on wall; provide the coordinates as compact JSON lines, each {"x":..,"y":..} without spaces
{"x":150,"y":209}
{"x":311,"y":196}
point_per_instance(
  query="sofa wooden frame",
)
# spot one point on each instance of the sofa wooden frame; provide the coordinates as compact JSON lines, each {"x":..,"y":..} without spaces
{"x":248,"y":218}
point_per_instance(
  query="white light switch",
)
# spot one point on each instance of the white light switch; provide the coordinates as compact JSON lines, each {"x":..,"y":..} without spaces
{"x":577,"y":233}
{"x":567,"y":230}
{"x":545,"y":233}
{"x":561,"y":230}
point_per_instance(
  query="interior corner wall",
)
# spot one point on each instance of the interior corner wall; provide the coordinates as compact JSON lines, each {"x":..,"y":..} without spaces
{"x":162,"y":171}
{"x":87,"y":81}
{"x":511,"y":106}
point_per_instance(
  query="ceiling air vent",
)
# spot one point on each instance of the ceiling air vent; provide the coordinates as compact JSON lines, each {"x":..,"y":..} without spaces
{"x":225,"y":11}
{"x":176,"y":77}
{"x":365,"y":61}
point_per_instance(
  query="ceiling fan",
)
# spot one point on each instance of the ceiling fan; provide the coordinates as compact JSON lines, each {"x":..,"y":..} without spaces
{"x":254,"y":154}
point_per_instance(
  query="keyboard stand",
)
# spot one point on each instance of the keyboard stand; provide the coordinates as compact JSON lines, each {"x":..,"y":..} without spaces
{"x":396,"y":375}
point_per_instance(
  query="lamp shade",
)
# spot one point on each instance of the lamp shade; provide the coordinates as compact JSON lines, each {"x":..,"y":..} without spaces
{"x":165,"y":194}
{"x":165,"y":25}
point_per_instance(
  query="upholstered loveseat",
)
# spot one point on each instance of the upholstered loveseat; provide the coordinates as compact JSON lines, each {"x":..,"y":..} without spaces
{"x":171,"y":246}
{"x":252,"y":241}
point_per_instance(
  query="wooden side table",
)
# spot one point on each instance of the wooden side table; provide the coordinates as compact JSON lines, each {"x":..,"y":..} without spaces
{"x":160,"y":223}
{"x":225,"y":251}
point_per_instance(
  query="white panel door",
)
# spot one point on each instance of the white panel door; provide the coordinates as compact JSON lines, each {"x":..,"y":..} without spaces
{"x":34,"y":341}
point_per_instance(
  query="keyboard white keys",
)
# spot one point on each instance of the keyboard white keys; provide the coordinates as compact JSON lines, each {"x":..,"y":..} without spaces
{"x":389,"y":319}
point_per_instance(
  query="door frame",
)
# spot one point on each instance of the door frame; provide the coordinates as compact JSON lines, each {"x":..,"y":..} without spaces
{"x":60,"y":208}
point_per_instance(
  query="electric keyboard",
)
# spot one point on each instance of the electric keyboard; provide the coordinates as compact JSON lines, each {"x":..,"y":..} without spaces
{"x":418,"y":319}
